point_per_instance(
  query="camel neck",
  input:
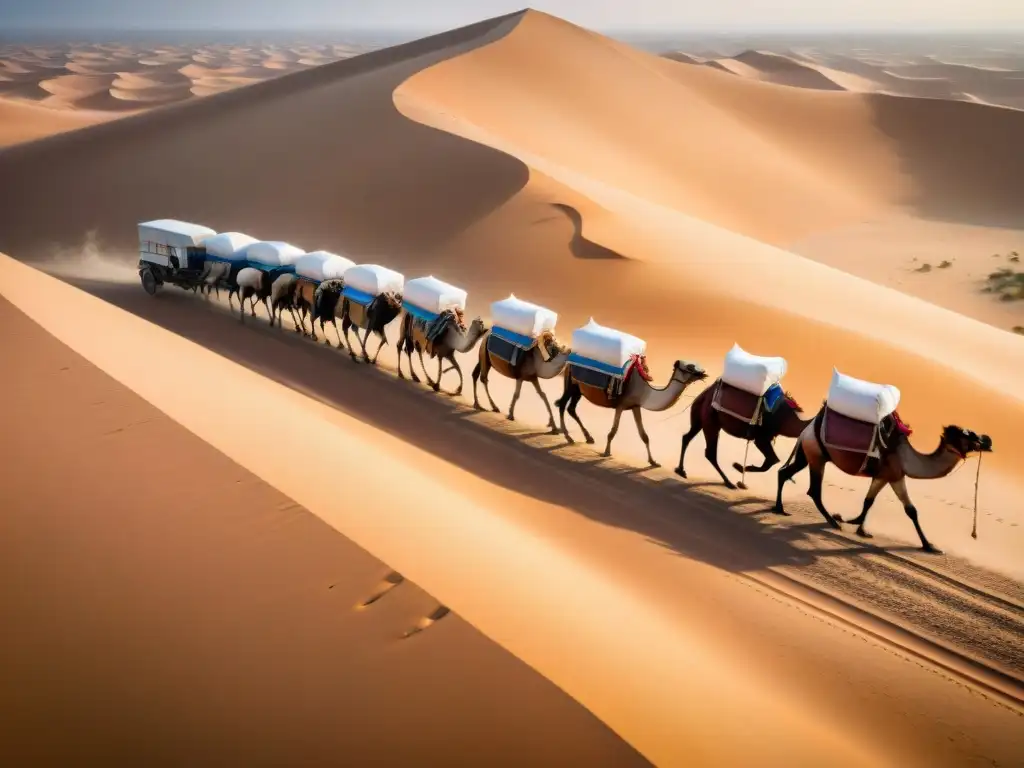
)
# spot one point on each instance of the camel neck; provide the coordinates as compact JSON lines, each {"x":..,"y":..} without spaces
{"x":655,"y":399}
{"x":927,"y":466}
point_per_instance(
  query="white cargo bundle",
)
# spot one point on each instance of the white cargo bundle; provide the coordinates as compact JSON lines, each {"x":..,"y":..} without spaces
{"x":179,"y":234}
{"x":229,"y":246}
{"x":522,"y":317}
{"x":752,"y":373}
{"x":606,"y":345}
{"x":374,"y":279}
{"x":433,"y":295}
{"x":336,"y":266}
{"x":272,"y":253}
{"x":861,"y":400}
{"x":322,"y":265}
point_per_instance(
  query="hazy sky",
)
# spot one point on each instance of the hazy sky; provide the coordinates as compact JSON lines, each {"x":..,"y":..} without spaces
{"x":727,"y":15}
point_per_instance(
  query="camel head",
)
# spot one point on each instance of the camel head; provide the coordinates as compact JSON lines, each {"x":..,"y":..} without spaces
{"x":964,"y":441}
{"x":479,"y":325}
{"x":691,"y":370}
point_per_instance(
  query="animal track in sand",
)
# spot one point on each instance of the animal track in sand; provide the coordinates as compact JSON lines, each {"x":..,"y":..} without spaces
{"x":427,"y":621}
{"x":389,"y":582}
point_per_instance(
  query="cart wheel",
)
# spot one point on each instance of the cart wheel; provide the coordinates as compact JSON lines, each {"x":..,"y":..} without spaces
{"x":149,"y":283}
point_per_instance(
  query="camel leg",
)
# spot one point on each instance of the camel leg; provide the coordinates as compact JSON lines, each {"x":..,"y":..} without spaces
{"x":300,"y":327}
{"x":900,"y":487}
{"x":873,"y":490}
{"x":401,"y":349}
{"x":423,"y":365}
{"x":787,"y":473}
{"x":639,"y":419}
{"x":711,"y":435}
{"x":482,"y":370}
{"x":345,"y":325}
{"x":362,"y":344}
{"x":475,"y":376}
{"x":436,"y":386}
{"x":334,"y":322}
{"x":383,"y":342}
{"x":611,"y":434}
{"x":412,"y":369}
{"x":814,"y":491}
{"x":695,"y":427}
{"x":574,"y":400}
{"x":551,"y":416}
{"x":458,"y":369}
{"x":764,"y":445}
{"x":515,"y":398}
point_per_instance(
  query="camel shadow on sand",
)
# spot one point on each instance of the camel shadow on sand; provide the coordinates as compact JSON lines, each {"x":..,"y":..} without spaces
{"x":737,"y":533}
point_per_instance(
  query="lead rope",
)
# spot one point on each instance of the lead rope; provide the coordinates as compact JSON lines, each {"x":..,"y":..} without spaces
{"x":977,"y":479}
{"x":743,"y":475}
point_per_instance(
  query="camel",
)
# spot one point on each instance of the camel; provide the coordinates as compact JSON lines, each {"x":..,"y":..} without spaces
{"x":373,"y":318}
{"x":323,"y":308}
{"x":531,"y":366}
{"x":282,"y":297}
{"x":253,"y":284}
{"x":636,"y":395}
{"x":455,"y":338}
{"x":785,"y":421}
{"x":898,"y":461}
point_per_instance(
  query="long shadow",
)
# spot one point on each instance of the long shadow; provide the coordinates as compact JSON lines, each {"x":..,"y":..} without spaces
{"x":580,"y":247}
{"x":965,"y":159}
{"x":320,"y":157}
{"x":689,"y":523}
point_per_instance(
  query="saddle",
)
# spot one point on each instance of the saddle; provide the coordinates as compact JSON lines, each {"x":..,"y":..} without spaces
{"x":873,"y":441}
{"x":427,"y":332}
{"x":741,"y":405}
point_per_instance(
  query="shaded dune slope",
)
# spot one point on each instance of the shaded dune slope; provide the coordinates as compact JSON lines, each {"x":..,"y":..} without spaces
{"x":290,"y":156}
{"x":218,"y":623}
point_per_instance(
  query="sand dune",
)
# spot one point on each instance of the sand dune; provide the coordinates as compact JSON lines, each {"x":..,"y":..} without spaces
{"x":918,"y":77}
{"x":122,"y":79}
{"x":528,"y":155}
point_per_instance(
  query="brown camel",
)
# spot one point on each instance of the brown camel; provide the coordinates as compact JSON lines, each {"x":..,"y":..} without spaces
{"x":455,"y":339}
{"x":637,"y":394}
{"x":785,"y":421}
{"x":898,"y":460}
{"x":530,"y":366}
{"x":372,"y":318}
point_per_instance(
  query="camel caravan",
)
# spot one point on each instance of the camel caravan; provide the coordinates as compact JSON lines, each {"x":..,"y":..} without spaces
{"x":857,"y":428}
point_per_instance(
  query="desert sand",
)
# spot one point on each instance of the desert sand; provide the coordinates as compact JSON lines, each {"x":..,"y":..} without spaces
{"x":48,"y":89}
{"x":682,"y":203}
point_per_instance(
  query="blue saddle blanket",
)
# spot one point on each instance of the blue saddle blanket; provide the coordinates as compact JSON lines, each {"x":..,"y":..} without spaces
{"x":359,"y":297}
{"x":419,"y":313}
{"x":598,"y":366}
{"x":516,"y":339}
{"x":773,"y":397}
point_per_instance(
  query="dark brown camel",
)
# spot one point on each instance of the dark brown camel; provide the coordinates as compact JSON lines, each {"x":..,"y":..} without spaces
{"x":455,"y":339}
{"x":898,"y":461}
{"x":785,"y":421}
{"x":531,"y":366}
{"x":372,"y":318}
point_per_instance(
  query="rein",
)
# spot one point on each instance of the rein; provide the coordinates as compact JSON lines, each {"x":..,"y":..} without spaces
{"x":977,"y":480}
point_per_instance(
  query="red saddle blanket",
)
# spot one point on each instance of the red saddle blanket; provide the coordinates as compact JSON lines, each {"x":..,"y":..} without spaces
{"x":841,"y":433}
{"x":737,"y":403}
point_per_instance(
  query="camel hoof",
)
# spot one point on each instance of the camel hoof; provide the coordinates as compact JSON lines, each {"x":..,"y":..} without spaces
{"x":590,"y":441}
{"x":681,"y":472}
{"x":606,"y":454}
{"x":554,"y":431}
{"x":737,"y":466}
{"x":510,"y":417}
{"x":778,"y":510}
{"x":864,"y":534}
{"x":730,"y":485}
{"x":570,"y":440}
{"x":653,"y":464}
{"x":495,"y":409}
{"x":477,"y":406}
{"x":838,"y":519}
{"x":932,"y":550}
{"x":741,"y":485}
{"x":457,"y":392}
